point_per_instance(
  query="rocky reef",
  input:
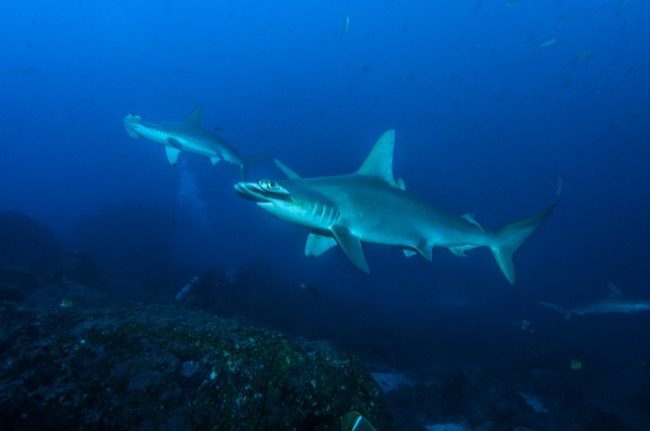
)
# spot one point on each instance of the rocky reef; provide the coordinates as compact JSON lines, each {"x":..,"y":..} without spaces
{"x":163,"y":367}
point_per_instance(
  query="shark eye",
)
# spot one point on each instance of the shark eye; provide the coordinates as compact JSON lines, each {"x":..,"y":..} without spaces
{"x":272,"y":186}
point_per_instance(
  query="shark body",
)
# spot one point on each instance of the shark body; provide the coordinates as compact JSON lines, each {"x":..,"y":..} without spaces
{"x":371,"y":206}
{"x":615,"y":302}
{"x":187,"y":135}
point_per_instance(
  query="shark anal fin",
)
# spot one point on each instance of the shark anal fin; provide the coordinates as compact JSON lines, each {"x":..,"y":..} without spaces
{"x":318,"y":244}
{"x":172,"y":154}
{"x":351,"y":245}
{"x":285,"y":170}
{"x":195,"y":117}
{"x":460,"y":250}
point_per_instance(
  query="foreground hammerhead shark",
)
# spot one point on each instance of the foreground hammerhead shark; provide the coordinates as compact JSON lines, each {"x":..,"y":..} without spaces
{"x":370,"y":206}
{"x":188,"y":135}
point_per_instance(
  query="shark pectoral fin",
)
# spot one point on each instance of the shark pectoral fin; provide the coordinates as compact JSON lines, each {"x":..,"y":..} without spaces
{"x":318,"y":244}
{"x":470,"y":218}
{"x":351,"y":245}
{"x":174,"y":143}
{"x":408,"y":252}
{"x":172,"y":154}
{"x":195,"y":117}
{"x":215,"y":159}
{"x":285,"y":170}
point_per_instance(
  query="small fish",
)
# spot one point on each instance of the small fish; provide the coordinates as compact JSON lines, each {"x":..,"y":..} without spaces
{"x":546,"y":42}
{"x":310,"y":288}
{"x":346,"y":24}
{"x":66,"y":303}
{"x":576,"y":364}
{"x":583,"y":55}
{"x":353,"y":421}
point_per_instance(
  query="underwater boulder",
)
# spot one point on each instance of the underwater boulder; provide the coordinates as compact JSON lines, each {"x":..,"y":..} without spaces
{"x":163,"y":367}
{"x":26,"y":243}
{"x":16,"y":284}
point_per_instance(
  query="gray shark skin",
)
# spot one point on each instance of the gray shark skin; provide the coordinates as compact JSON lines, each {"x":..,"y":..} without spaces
{"x":615,"y":302}
{"x":370,"y":206}
{"x":187,"y":135}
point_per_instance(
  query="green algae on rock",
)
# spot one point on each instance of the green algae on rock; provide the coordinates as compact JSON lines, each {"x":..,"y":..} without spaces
{"x":156,"y":367}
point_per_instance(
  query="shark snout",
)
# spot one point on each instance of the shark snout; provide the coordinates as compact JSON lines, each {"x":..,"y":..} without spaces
{"x":250,"y":191}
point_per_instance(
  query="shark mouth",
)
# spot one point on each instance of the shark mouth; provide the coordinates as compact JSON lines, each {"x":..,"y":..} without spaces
{"x":251,"y":191}
{"x":261,"y":192}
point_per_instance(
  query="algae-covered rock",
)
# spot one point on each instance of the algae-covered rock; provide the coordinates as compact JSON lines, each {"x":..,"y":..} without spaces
{"x":153,"y":368}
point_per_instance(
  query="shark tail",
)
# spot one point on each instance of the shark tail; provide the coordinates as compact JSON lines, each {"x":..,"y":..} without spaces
{"x":566,"y":313}
{"x":509,"y":238}
{"x":249,"y":162}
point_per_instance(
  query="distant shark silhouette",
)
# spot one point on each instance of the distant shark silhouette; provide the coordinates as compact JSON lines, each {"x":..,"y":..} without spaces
{"x":615,"y":302}
{"x":188,"y":135}
{"x":370,"y":206}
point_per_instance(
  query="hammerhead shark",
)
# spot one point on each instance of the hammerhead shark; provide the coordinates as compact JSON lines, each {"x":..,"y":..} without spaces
{"x":188,"y":135}
{"x":615,"y":302}
{"x":371,"y":206}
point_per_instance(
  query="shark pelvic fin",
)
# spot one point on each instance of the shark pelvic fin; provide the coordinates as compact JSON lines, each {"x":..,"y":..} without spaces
{"x":379,"y":162}
{"x":408,"y":252}
{"x":426,"y":250}
{"x":400,"y":183}
{"x":195,"y":117}
{"x":172,"y":154}
{"x":318,"y":244}
{"x":215,"y":159}
{"x":351,"y":245}
{"x":285,"y":170}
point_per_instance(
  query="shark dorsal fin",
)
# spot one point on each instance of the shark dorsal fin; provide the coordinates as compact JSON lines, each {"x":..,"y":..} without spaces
{"x":195,"y":117}
{"x":379,"y":162}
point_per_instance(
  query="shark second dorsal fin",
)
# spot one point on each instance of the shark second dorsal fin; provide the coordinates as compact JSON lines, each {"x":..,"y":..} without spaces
{"x":195,"y":117}
{"x":379,"y":162}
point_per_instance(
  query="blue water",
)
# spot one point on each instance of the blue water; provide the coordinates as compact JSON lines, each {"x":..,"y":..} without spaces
{"x":491,"y":101}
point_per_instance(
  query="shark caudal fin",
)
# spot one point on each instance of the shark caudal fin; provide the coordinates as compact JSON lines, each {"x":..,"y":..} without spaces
{"x":563,"y":311}
{"x":509,"y":238}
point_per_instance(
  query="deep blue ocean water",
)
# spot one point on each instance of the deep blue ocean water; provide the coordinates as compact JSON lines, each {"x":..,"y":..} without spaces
{"x":491,"y":102}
